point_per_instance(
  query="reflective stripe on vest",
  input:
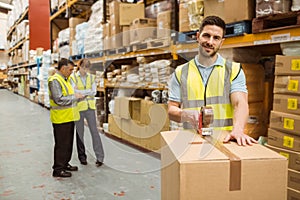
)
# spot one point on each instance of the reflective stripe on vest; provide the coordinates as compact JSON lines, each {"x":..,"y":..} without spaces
{"x":62,"y":114}
{"x":195,"y":94}
{"x":89,"y":101}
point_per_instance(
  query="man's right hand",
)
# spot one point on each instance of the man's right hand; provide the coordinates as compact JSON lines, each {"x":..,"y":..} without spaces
{"x":79,"y":96}
{"x":190,"y":116}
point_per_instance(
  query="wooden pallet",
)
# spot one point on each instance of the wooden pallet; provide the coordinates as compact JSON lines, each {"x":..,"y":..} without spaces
{"x":276,"y":22}
{"x":151,"y":44}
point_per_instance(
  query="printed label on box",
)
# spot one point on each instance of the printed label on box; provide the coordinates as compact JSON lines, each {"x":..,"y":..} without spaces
{"x":288,"y":123}
{"x":293,"y":85}
{"x":295,"y":65}
{"x":287,"y":155}
{"x":292,"y":104}
{"x":288,"y":141}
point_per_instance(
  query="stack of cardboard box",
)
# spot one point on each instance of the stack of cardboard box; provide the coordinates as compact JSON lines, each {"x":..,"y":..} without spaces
{"x":283,"y":134}
{"x":138,"y":121}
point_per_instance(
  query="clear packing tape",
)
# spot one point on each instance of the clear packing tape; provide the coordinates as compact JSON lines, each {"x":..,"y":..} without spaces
{"x":196,"y":13}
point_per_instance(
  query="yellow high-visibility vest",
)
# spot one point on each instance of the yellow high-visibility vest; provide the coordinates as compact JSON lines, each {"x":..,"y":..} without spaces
{"x":89,"y":101}
{"x":216,"y":93}
{"x":62,"y":114}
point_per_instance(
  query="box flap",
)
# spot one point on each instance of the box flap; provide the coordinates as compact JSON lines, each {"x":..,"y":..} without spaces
{"x":190,"y":147}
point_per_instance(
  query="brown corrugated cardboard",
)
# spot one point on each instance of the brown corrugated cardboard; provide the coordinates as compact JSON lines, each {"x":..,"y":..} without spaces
{"x":74,"y":21}
{"x":288,"y":123}
{"x":106,"y":30}
{"x":292,"y":156}
{"x":159,"y":111}
{"x":143,"y":29}
{"x":287,"y":85}
{"x":164,"y":24}
{"x":294,"y":179}
{"x":293,"y":194}
{"x":127,"y":107}
{"x":286,"y":103}
{"x":184,"y":17}
{"x":115,"y":125}
{"x":193,"y":168}
{"x":283,"y":140}
{"x":230,"y":11}
{"x":126,"y":35}
{"x":287,"y":65}
{"x":114,"y":7}
{"x":131,"y":131}
{"x":131,"y":11}
{"x":116,"y":41}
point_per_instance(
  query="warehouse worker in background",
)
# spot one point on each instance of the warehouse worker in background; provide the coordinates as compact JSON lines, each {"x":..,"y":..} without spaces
{"x":63,"y":113}
{"x":84,"y":83}
{"x":210,"y":80}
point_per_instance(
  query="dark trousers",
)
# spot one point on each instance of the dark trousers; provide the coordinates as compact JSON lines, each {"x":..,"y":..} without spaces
{"x":63,"y":138}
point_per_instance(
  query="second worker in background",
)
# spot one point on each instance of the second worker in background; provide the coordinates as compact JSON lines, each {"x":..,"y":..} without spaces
{"x":84,"y":83}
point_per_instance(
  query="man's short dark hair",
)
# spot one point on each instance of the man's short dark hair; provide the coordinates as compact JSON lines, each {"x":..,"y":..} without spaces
{"x":213,"y":20}
{"x":64,"y":62}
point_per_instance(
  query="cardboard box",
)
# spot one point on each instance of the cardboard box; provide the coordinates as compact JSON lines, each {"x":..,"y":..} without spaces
{"x":255,"y":81}
{"x":294,"y":179}
{"x":116,"y":41}
{"x":287,"y":65}
{"x":127,"y":107}
{"x":230,"y":11}
{"x":287,"y":85}
{"x":106,"y":30}
{"x":115,"y":125}
{"x":184,"y":17}
{"x":131,"y":131}
{"x":126,"y":35}
{"x":143,"y":29}
{"x":292,"y":156}
{"x":193,"y":168}
{"x":107,"y":43}
{"x":283,"y":140}
{"x":293,"y":194}
{"x":74,"y":21}
{"x":288,"y":123}
{"x":115,"y":29}
{"x":286,"y":103}
{"x":164,"y":24}
{"x":114,"y":8}
{"x":151,"y":111}
{"x":131,"y":11}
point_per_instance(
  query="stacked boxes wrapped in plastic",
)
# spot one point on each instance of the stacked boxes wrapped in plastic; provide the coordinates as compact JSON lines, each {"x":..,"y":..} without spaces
{"x":43,"y":78}
{"x":93,"y":41}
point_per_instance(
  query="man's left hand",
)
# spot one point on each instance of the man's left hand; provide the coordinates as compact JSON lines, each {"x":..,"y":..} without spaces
{"x":241,"y":138}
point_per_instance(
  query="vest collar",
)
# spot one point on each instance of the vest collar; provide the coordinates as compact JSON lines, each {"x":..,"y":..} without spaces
{"x":219,"y":62}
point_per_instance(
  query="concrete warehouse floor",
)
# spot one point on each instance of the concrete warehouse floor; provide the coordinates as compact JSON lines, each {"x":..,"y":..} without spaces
{"x":26,"y":158}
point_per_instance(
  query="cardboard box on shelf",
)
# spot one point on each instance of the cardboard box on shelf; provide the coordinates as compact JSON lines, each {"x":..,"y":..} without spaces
{"x":283,"y":140}
{"x":287,"y":85}
{"x":106,"y":30}
{"x":142,"y":29}
{"x":164,"y":24}
{"x":235,"y":172}
{"x":288,"y":123}
{"x":114,"y":125}
{"x":74,"y":21}
{"x":184,"y":17}
{"x":116,"y":41}
{"x":126,"y":35}
{"x":243,"y":9}
{"x":286,"y":103}
{"x":292,"y":156}
{"x":127,"y":107}
{"x":287,"y":65}
{"x":293,"y":194}
{"x":293,"y":179}
{"x":131,"y":11}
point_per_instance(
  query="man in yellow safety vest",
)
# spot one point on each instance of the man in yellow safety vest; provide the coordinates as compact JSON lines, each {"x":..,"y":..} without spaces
{"x":210,"y":80}
{"x":63,"y":113}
